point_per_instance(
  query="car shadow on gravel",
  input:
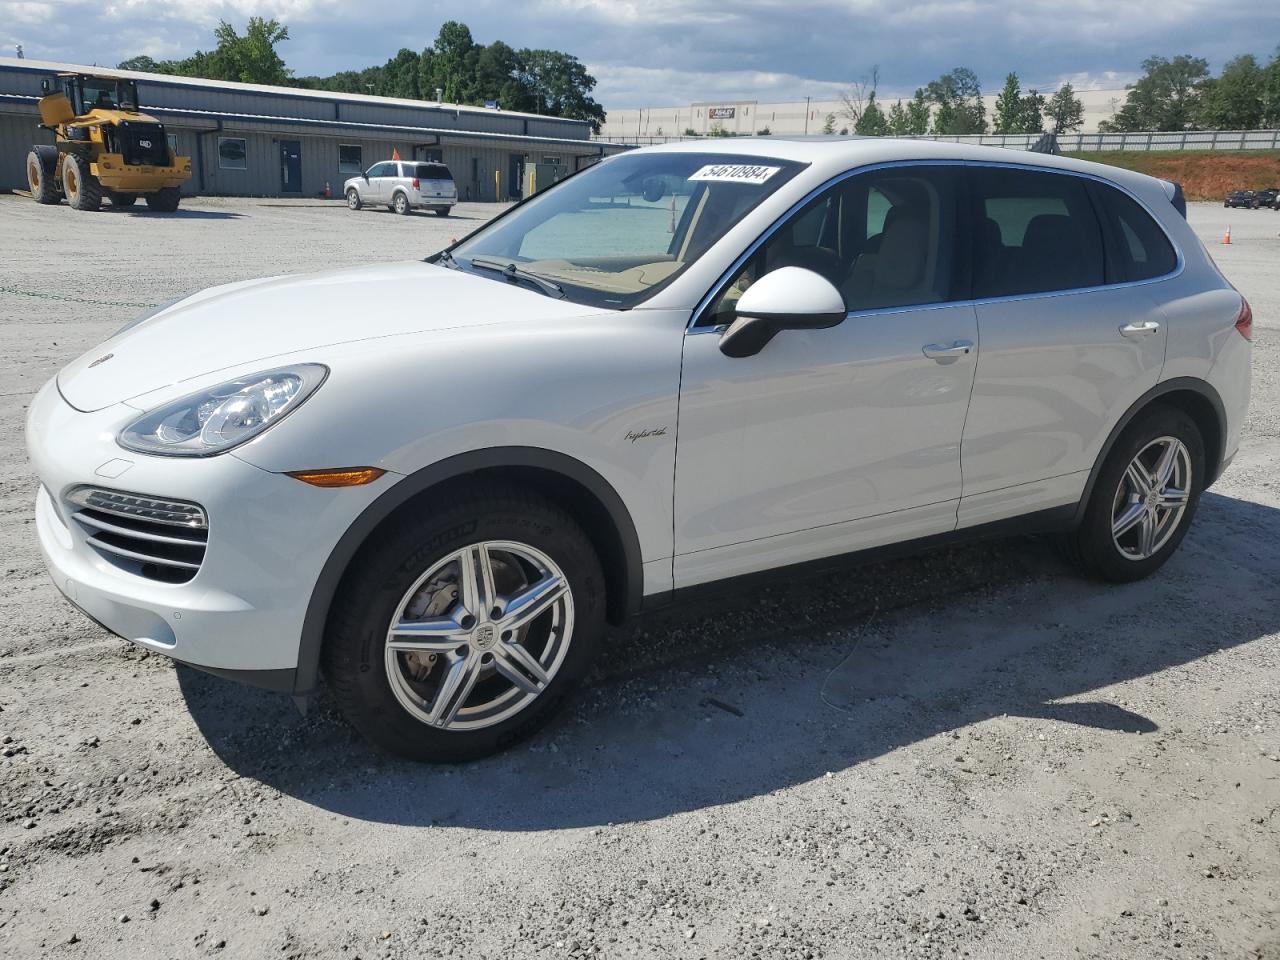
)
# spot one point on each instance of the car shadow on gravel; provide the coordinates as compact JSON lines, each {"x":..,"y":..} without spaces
{"x":179,"y":214}
{"x":755,"y":694}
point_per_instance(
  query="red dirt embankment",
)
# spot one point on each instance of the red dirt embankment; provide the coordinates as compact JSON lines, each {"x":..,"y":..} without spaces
{"x":1204,"y":174}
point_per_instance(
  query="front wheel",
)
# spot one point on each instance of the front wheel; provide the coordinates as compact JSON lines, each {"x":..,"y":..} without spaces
{"x":1144,"y":498}
{"x":83,"y":190}
{"x":461,"y":631}
{"x":353,"y":199}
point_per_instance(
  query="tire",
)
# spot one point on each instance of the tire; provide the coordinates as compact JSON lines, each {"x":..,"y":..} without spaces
{"x":122,"y":200}
{"x":42,"y":166}
{"x":1092,"y":548}
{"x":164,"y":200}
{"x":400,"y":204}
{"x":82,"y":188}
{"x":442,"y":211}
{"x":376,"y":687}
{"x":353,"y":199}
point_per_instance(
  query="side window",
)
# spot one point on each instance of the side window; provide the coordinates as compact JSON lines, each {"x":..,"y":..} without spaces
{"x":1036,"y":232}
{"x":1142,"y":251}
{"x":884,"y":239}
{"x":382,"y":170}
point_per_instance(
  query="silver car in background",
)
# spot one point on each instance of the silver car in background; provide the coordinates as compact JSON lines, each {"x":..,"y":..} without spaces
{"x":404,"y":185}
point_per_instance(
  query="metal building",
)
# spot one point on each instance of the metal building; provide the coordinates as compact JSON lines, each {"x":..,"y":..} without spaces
{"x":251,"y":140}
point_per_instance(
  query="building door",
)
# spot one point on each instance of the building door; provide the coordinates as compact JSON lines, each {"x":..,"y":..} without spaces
{"x":291,"y":166}
{"x":515,"y":176}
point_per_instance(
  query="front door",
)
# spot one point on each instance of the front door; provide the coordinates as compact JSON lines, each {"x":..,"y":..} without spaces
{"x":829,"y":441}
{"x":291,"y":166}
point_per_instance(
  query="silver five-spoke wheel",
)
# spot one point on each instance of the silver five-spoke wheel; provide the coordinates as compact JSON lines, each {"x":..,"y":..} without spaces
{"x":479,"y":635}
{"x":1151,"y":498}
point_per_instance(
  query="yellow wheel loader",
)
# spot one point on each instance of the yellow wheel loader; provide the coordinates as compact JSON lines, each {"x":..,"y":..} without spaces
{"x":103,"y":147}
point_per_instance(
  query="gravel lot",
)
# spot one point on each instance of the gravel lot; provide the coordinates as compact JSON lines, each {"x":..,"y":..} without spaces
{"x":971,"y":753}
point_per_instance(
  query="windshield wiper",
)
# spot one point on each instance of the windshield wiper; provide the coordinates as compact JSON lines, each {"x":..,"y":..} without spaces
{"x":513,"y":273}
{"x":445,"y":259}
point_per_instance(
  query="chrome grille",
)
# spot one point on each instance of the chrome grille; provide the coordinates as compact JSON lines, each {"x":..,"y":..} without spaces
{"x":158,"y":539}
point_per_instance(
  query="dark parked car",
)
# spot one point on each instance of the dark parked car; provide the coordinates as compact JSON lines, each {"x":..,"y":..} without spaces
{"x":1268,"y":198}
{"x":1241,"y":198}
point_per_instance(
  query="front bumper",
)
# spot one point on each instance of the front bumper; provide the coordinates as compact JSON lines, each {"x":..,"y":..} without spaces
{"x":269,"y":535}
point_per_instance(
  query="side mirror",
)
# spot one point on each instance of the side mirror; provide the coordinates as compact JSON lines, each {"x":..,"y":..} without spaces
{"x":789,"y":298}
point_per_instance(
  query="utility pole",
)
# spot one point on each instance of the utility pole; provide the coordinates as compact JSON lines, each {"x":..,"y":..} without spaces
{"x":806,"y":116}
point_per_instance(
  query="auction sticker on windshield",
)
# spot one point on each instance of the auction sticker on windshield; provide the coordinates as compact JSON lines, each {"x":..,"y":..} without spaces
{"x":735,"y":172}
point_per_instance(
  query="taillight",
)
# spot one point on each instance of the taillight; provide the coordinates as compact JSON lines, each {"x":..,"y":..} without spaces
{"x":415,"y":183}
{"x":1244,"y":322}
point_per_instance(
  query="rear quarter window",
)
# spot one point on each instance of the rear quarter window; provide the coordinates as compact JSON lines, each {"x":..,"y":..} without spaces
{"x":1141,"y":250}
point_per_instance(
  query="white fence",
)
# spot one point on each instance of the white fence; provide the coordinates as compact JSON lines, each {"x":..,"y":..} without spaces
{"x":1085,"y":142}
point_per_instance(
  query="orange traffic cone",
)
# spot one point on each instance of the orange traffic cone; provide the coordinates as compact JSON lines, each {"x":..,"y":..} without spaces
{"x":328,"y":194}
{"x":1226,"y":237}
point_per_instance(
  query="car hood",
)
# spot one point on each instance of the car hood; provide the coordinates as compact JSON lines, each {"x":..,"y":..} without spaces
{"x":229,"y":326}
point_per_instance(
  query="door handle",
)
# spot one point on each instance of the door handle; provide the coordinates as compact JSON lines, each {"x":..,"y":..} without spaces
{"x":958,"y":348}
{"x":1135,"y":330}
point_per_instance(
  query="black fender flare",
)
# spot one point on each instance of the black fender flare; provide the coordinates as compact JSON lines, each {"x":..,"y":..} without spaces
{"x":326,"y":585}
{"x":1165,"y":387}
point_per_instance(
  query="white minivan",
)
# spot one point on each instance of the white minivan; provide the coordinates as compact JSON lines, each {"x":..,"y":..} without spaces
{"x":404,"y":185}
{"x":683,"y":365}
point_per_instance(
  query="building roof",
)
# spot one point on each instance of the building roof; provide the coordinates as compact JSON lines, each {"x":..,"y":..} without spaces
{"x":45,"y":66}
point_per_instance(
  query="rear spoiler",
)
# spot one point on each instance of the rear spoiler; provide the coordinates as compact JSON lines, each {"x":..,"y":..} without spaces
{"x":1174,"y":190}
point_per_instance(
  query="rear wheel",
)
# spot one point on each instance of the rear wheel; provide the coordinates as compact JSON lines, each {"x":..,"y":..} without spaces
{"x":164,"y":200}
{"x":461,"y":631}
{"x":1144,"y":499}
{"x":82,"y":188}
{"x":400,"y":204}
{"x":42,"y":165}
{"x":353,"y":199}
{"x":119,"y":199}
{"x":442,"y":211}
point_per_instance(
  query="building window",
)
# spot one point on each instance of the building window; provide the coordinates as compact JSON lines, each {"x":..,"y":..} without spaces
{"x":350,"y":158}
{"x":233,"y":153}
{"x":173,"y":142}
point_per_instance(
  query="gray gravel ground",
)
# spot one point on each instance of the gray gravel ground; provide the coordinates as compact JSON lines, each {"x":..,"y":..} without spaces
{"x":971,"y":753}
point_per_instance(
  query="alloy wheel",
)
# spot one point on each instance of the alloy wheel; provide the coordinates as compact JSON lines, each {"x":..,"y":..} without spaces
{"x":1151,"y":499}
{"x":480,"y":635}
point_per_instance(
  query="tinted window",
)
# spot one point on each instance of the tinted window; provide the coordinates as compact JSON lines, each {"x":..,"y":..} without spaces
{"x":1036,"y":232}
{"x":383,"y":170}
{"x":1142,"y":250}
{"x":884,"y":239}
{"x":350,"y":158}
{"x":232,"y":153}
{"x":433,"y":171}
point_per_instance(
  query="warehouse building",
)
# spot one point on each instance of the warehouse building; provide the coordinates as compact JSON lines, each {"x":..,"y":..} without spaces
{"x":250,"y":140}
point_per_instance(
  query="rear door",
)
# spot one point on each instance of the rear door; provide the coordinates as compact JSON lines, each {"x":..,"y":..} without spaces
{"x":1067,"y":344}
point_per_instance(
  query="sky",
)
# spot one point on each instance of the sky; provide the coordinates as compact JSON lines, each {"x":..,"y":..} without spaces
{"x":655,"y":53}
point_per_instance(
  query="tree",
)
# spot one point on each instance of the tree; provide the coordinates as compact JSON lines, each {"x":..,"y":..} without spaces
{"x":560,"y":86}
{"x":142,"y":64}
{"x":1065,"y":110}
{"x":873,"y":122}
{"x":899,"y":125}
{"x":1166,"y":97}
{"x":251,"y":58}
{"x":1008,"y":110}
{"x":854,"y":100}
{"x":958,"y":97}
{"x":1236,"y":99}
{"x":1031,"y":113}
{"x":829,"y":124}
{"x":1271,"y":92}
{"x":918,"y":114}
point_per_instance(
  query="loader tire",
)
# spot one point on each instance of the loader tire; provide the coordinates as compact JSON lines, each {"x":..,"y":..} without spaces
{"x":118,"y":199}
{"x":164,"y":200}
{"x":82,"y":188}
{"x":42,"y":165}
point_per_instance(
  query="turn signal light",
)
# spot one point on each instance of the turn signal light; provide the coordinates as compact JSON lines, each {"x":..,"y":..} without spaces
{"x":338,"y":476}
{"x":1244,"y":322}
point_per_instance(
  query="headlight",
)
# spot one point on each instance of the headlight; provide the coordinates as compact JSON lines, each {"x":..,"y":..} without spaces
{"x":149,"y":313}
{"x":215,"y":420}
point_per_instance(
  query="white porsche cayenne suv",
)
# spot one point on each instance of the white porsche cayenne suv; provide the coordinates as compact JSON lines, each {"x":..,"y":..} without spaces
{"x":436,"y":482}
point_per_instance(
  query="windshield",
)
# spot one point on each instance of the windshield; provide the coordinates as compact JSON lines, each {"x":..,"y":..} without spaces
{"x":617,"y":232}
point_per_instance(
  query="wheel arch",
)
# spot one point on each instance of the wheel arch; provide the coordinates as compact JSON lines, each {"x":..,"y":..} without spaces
{"x":572,"y":485}
{"x":1196,"y":398}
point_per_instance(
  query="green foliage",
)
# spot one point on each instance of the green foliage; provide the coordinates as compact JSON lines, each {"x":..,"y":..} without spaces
{"x":873,"y":122}
{"x":1065,"y":110}
{"x":1166,"y":97}
{"x":918,"y":114}
{"x":829,"y":124}
{"x":536,"y":81}
{"x":958,"y":98}
{"x":763,"y":132}
{"x":1008,"y":109}
{"x":1236,"y":98}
